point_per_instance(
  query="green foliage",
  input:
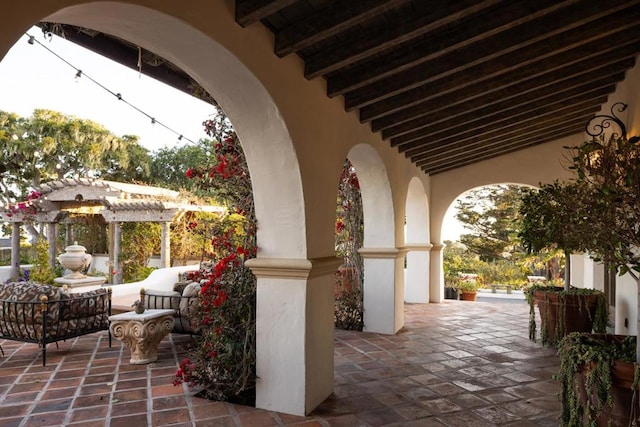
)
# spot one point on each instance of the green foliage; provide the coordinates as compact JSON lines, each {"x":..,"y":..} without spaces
{"x":140,"y":240}
{"x":169,"y":165}
{"x":42,"y":272}
{"x":349,"y":304}
{"x":595,"y":353}
{"x":582,"y":296}
{"x":610,"y":169}
{"x":489,"y":213}
{"x":457,"y":259}
{"x":223,"y":363}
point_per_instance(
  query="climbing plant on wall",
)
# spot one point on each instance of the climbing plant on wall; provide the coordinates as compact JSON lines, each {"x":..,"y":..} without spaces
{"x":349,"y":239}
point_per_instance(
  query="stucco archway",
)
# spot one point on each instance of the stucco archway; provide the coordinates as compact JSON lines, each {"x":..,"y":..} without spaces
{"x":417,"y":244}
{"x":283,"y":383}
{"x":256,"y":119}
{"x":383,"y":266}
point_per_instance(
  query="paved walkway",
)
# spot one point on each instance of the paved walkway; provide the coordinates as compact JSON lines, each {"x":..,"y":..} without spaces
{"x":453,"y":364}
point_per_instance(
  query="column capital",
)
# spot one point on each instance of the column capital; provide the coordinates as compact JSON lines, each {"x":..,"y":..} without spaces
{"x":436,"y":247}
{"x":417,"y":247}
{"x":293,"y":268}
{"x":382,"y":252}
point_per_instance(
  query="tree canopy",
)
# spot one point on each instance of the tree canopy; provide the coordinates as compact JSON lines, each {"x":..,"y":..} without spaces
{"x":490,"y":213}
{"x":49,"y":145}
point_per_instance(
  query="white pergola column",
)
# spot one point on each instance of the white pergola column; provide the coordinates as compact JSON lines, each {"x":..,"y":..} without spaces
{"x":383,"y":289}
{"x":295,"y":332}
{"x":15,"y":250}
{"x":52,"y":233}
{"x":436,"y":273}
{"x":165,"y":245}
{"x":117,"y":230}
{"x":416,"y":284}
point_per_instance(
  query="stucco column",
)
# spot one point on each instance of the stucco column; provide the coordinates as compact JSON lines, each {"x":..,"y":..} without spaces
{"x":15,"y":250}
{"x":295,"y":332}
{"x":383,"y":289}
{"x":416,"y":282}
{"x":165,"y":245}
{"x":436,"y":274}
{"x":52,"y":233}
{"x":117,"y":278}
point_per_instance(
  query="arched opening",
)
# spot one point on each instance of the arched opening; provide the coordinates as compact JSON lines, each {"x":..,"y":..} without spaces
{"x":383,"y":262}
{"x":279,"y":202}
{"x":416,"y":238}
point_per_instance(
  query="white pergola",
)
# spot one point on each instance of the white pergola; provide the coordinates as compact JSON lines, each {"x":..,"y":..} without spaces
{"x":116,"y":202}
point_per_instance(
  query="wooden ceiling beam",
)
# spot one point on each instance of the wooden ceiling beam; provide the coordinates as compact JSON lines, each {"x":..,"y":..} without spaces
{"x":251,"y":11}
{"x":343,"y":15}
{"x":503,"y":139}
{"x":501,"y":100}
{"x":486,"y":124}
{"x":499,"y":114}
{"x":547,"y":37}
{"x":539,"y":122}
{"x":443,"y":167}
{"x":467,"y":31}
{"x":376,"y":41}
{"x":489,"y":75}
{"x":513,"y":84}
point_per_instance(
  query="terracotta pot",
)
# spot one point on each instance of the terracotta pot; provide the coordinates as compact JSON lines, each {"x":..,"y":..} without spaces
{"x":469,"y":295}
{"x":576,"y":319}
{"x":621,"y":381}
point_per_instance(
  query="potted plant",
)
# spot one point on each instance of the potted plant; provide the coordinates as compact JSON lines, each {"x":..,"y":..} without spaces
{"x":551,"y":218}
{"x":602,"y":367}
{"x":468,"y":286}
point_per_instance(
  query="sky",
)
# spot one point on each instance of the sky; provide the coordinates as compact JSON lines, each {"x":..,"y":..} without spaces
{"x":32,"y":77}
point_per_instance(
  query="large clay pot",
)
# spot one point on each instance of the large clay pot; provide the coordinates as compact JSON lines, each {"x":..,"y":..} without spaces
{"x":469,"y":295}
{"x":621,"y":381}
{"x":579,"y":313}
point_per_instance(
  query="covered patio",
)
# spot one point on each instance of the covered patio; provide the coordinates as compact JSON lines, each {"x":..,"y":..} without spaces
{"x":453,"y":364}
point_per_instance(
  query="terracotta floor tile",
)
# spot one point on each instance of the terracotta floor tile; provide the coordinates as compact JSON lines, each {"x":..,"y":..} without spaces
{"x":91,"y":413}
{"x":436,"y":371}
{"x":127,"y":408}
{"x":129,"y":421}
{"x":45,"y":420}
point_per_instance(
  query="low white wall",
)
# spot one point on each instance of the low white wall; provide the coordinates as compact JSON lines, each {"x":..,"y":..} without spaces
{"x":626,"y":305}
{"x":5,"y":271}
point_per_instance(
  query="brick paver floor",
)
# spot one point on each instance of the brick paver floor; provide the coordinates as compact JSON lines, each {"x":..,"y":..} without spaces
{"x":453,"y":364}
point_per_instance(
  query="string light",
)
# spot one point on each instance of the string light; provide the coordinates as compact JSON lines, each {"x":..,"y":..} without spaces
{"x":80,"y":73}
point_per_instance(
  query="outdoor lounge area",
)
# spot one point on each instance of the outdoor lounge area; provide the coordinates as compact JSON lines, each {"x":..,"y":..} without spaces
{"x":453,"y":364}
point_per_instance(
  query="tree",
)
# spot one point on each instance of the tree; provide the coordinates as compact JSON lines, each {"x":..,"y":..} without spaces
{"x":169,"y":164}
{"x":555,"y":216}
{"x":490,"y":213}
{"x":49,"y":145}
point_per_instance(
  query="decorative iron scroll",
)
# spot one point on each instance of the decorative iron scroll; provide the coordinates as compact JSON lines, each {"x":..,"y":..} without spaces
{"x":597,"y":125}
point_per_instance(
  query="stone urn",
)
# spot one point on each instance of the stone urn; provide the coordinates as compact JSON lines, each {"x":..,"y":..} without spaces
{"x":75,"y":258}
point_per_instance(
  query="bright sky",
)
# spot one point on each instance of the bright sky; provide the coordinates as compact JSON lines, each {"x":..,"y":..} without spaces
{"x":32,"y":77}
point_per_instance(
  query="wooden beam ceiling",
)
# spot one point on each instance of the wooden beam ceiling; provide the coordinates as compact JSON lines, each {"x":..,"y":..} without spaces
{"x":447,"y":83}
{"x":453,"y":83}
